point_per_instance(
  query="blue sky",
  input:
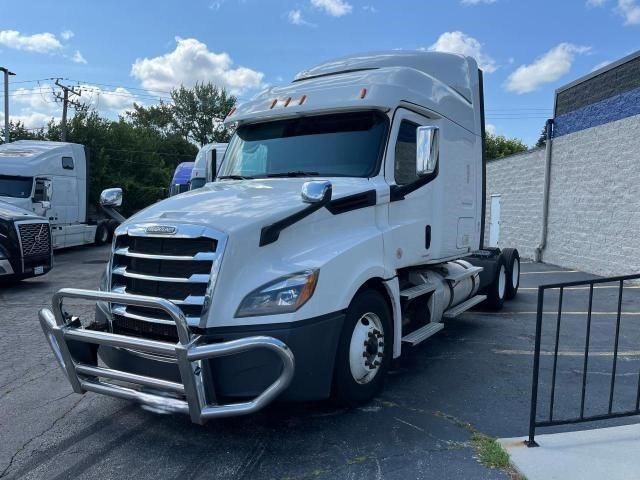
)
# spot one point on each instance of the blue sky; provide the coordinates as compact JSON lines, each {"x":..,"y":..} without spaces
{"x":125,"y":51}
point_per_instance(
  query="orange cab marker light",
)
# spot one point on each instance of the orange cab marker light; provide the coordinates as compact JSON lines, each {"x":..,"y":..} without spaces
{"x":302,"y":99}
{"x":363,"y":93}
{"x":288,"y":101}
{"x":273,"y":104}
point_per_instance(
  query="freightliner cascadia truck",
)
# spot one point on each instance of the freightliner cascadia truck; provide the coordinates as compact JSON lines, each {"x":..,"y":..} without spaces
{"x":345,"y":226}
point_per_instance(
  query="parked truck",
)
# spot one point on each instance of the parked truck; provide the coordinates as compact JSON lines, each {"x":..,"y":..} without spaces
{"x":344,"y":227}
{"x":181,"y":178}
{"x":207,"y":164}
{"x":25,"y":239}
{"x":51,"y":179}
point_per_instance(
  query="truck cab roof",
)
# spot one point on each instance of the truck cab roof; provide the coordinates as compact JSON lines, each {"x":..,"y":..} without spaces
{"x":441,"y":83}
{"x":37,"y":157}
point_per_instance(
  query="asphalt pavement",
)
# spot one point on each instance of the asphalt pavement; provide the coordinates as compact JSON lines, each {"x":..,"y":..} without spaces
{"x":477,"y":370}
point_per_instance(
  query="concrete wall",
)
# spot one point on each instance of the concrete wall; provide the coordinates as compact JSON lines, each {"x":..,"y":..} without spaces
{"x":519,"y":180}
{"x":594,"y":210}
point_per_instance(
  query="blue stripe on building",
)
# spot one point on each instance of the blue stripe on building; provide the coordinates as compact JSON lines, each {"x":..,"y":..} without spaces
{"x":609,"y":110}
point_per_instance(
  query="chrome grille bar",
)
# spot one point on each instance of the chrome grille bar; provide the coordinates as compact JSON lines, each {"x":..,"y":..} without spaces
{"x":195,"y":278}
{"x":124,"y":251}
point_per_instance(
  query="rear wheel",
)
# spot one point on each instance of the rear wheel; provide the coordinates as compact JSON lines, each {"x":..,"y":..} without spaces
{"x":364,"y":351}
{"x":512,"y":260}
{"x":497,"y":290}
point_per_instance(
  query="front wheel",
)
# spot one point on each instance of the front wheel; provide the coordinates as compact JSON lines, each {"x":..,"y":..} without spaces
{"x":364,"y":351}
{"x":102,"y":234}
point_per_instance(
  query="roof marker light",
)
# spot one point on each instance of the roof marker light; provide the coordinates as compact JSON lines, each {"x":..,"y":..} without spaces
{"x":363,"y":93}
{"x":287,"y":102}
{"x":231,"y":112}
{"x":302,"y":99}
{"x":273,"y":104}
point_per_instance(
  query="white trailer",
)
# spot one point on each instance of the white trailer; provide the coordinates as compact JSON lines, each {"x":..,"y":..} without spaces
{"x":207,"y":164}
{"x":344,"y":227}
{"x":50,"y":179}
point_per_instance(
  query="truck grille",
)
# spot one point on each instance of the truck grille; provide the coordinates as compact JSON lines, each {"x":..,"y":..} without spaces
{"x":176,"y":269}
{"x":35,"y":239}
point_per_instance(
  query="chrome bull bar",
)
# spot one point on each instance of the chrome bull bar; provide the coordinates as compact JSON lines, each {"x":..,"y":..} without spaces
{"x":189,"y":352}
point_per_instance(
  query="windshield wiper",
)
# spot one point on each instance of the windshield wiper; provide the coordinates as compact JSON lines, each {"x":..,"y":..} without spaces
{"x":234,"y":177}
{"x":297,"y":173}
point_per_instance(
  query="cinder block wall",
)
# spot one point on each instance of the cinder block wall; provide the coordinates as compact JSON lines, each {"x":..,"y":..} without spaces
{"x":594,"y":209}
{"x":519,"y":180}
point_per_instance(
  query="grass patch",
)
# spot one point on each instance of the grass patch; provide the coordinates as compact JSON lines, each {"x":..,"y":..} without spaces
{"x":489,"y":452}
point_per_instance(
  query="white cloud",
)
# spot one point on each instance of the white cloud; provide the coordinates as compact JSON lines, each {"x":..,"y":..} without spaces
{"x":192,"y":62}
{"x":630,"y":11}
{"x":477,"y":2}
{"x":596,"y":3}
{"x":490,"y":128}
{"x":601,"y":65}
{"x":295,"y":17}
{"x":548,"y":68}
{"x":67,"y":35}
{"x":463,"y":44}
{"x":78,"y":58}
{"x":370,"y":8}
{"x":335,"y":8}
{"x":38,"y":42}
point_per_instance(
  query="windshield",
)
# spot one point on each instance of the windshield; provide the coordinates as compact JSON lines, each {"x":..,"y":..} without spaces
{"x":17,"y":187}
{"x":337,"y":145}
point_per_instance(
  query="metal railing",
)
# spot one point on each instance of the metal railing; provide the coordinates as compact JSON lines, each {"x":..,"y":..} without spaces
{"x":550,"y":419}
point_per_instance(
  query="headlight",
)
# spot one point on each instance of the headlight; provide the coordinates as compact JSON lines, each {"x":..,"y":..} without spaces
{"x":284,"y":295}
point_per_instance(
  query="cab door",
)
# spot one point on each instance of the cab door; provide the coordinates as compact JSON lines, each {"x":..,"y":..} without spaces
{"x":412,"y":208}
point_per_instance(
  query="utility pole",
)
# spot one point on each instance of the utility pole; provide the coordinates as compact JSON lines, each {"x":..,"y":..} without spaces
{"x":65,"y":102}
{"x":6,"y":102}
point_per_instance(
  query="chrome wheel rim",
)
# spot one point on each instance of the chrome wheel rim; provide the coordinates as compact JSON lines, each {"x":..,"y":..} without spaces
{"x":366,"y":350}
{"x":515,"y":273}
{"x":502,"y":281}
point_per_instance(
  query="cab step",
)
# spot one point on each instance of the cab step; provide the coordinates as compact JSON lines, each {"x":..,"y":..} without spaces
{"x":464,"y":306}
{"x":461,"y":275}
{"x":421,"y":334}
{"x":417,"y":291}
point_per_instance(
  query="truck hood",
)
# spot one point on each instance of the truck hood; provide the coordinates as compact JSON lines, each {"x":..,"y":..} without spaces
{"x":13,"y":212}
{"x":230,"y":205}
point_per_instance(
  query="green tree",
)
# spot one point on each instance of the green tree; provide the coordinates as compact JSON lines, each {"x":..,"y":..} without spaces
{"x":18,"y":131}
{"x":198,"y":112}
{"x":499,"y":146}
{"x":542,"y":140}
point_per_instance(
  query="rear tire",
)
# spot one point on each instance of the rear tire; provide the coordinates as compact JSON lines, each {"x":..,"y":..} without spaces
{"x":512,"y":260}
{"x":497,"y":290}
{"x":365,"y":350}
{"x":102,"y":234}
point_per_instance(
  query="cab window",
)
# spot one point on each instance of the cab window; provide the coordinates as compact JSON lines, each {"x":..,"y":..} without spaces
{"x":67,"y":163}
{"x":405,"y":154}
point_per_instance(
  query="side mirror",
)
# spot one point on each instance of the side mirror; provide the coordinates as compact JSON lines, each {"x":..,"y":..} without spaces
{"x":111,"y":197}
{"x":428,"y":150}
{"x":316,"y":191}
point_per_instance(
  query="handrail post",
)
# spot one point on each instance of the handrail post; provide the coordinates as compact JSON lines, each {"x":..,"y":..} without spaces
{"x":536,"y":371}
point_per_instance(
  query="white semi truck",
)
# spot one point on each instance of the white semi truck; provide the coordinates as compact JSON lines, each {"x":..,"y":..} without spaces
{"x":51,"y":179}
{"x":345,"y":226}
{"x":207,"y":164}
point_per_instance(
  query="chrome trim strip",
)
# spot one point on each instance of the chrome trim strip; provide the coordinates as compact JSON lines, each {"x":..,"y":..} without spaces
{"x":195,"y":278}
{"x":200,"y":256}
{"x":58,"y":328}
{"x":195,"y":300}
{"x":122,"y":311}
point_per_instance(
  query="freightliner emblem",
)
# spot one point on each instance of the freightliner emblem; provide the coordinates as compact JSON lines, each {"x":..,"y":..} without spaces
{"x":161,"y":229}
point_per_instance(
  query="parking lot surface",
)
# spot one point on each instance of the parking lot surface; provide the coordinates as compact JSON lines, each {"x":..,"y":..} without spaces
{"x":477,"y":370}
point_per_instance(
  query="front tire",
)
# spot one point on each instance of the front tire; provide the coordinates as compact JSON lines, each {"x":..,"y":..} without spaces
{"x":365,"y":350}
{"x":102,"y":234}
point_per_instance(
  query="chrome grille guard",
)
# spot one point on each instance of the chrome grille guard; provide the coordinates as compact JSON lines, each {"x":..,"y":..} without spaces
{"x":85,"y":375}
